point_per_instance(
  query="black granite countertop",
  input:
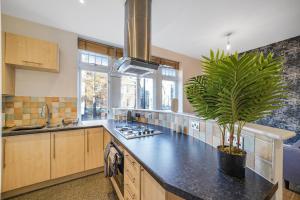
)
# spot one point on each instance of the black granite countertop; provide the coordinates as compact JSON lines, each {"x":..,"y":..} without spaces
{"x":187,"y":167}
{"x":183,"y":165}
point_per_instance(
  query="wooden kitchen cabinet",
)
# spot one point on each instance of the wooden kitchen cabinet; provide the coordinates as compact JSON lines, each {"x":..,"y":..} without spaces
{"x":150,"y":189}
{"x":8,"y":79}
{"x":30,"y":53}
{"x":67,"y":153}
{"x":94,"y":156}
{"x":26,"y":160}
{"x":8,"y":74}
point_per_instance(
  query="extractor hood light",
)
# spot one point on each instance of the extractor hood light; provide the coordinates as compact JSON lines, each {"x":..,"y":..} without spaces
{"x":82,"y":2}
{"x":228,"y":44}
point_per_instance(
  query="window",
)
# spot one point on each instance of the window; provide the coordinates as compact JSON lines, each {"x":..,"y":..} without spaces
{"x":94,"y":95}
{"x":146,"y":93}
{"x":93,"y":59}
{"x":101,"y":88}
{"x":128,"y":91}
{"x":168,"y":93}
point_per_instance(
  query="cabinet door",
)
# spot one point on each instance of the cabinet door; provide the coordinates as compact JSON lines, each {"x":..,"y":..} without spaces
{"x":30,"y":53}
{"x":67,"y":153}
{"x":94,"y":148}
{"x":26,"y":160}
{"x":15,"y":49}
{"x":150,"y":189}
{"x":8,"y":73}
{"x":8,"y":79}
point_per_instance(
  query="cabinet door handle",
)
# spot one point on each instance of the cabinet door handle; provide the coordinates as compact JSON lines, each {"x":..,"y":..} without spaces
{"x":87,"y":142}
{"x":3,"y":157}
{"x":38,"y":63}
{"x":54,"y":146}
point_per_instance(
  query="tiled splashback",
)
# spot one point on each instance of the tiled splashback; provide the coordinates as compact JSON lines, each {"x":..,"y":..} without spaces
{"x":260,"y":154}
{"x":25,"y":110}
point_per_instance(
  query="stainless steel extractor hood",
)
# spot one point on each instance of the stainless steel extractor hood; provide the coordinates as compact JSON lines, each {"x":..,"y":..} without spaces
{"x":137,"y":40}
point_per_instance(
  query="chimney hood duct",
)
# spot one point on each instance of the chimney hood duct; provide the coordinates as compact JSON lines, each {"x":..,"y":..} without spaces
{"x":137,"y":39}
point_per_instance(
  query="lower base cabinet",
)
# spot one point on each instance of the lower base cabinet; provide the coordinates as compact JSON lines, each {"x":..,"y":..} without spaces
{"x":150,"y":189}
{"x":67,"y":153}
{"x":94,"y":156}
{"x":35,"y":158}
{"x":26,"y":160}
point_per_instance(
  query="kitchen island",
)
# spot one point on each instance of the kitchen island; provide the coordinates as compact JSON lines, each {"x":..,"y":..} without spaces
{"x":182,"y":164}
{"x":187,"y":167}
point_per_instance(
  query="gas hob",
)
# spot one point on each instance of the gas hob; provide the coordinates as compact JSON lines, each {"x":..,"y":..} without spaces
{"x":130,"y":132}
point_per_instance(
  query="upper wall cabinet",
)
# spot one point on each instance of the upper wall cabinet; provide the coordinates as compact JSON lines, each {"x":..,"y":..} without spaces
{"x":29,"y":53}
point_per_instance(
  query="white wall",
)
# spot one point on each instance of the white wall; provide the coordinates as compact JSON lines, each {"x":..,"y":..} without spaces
{"x":35,"y":83}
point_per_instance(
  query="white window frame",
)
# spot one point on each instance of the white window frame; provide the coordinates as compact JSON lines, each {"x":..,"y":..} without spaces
{"x":162,"y":77}
{"x":156,"y":76}
{"x":94,"y":68}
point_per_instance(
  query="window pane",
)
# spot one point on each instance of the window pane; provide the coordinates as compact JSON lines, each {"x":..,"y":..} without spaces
{"x":146,"y":93}
{"x":84,"y":58}
{"x":98,"y":60}
{"x":91,"y":59}
{"x":128,"y":91}
{"x":105,"y":61}
{"x":168,"y":93}
{"x":94,"y":59}
{"x":94,"y":95}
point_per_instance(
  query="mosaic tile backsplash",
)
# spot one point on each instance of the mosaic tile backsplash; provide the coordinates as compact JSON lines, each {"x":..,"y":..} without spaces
{"x":287,"y":117}
{"x":25,"y":110}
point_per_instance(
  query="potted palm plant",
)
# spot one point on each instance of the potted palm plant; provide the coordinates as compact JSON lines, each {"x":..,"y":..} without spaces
{"x":233,"y":90}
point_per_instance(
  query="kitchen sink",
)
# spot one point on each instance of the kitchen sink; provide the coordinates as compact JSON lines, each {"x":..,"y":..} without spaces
{"x":23,"y":128}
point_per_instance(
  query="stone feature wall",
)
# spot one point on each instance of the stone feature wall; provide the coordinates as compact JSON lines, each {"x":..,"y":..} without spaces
{"x":287,"y":117}
{"x":25,"y":110}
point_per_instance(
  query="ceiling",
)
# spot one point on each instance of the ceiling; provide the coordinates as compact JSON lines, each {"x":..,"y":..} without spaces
{"x":190,"y":27}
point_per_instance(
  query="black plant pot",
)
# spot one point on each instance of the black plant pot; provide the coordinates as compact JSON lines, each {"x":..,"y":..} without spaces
{"x":232,"y":165}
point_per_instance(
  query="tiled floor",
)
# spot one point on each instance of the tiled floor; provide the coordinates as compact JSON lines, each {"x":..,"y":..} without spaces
{"x":95,"y":187}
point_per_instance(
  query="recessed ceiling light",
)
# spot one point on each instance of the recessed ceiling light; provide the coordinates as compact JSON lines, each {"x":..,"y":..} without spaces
{"x":82,"y":1}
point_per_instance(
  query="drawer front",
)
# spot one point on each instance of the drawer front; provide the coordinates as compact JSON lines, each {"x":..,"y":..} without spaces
{"x":130,"y":190}
{"x":131,"y":162}
{"x":133,"y":175}
{"x":132,"y":170}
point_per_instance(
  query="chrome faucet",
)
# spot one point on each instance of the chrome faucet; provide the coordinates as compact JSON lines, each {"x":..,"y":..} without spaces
{"x":47,"y":117}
